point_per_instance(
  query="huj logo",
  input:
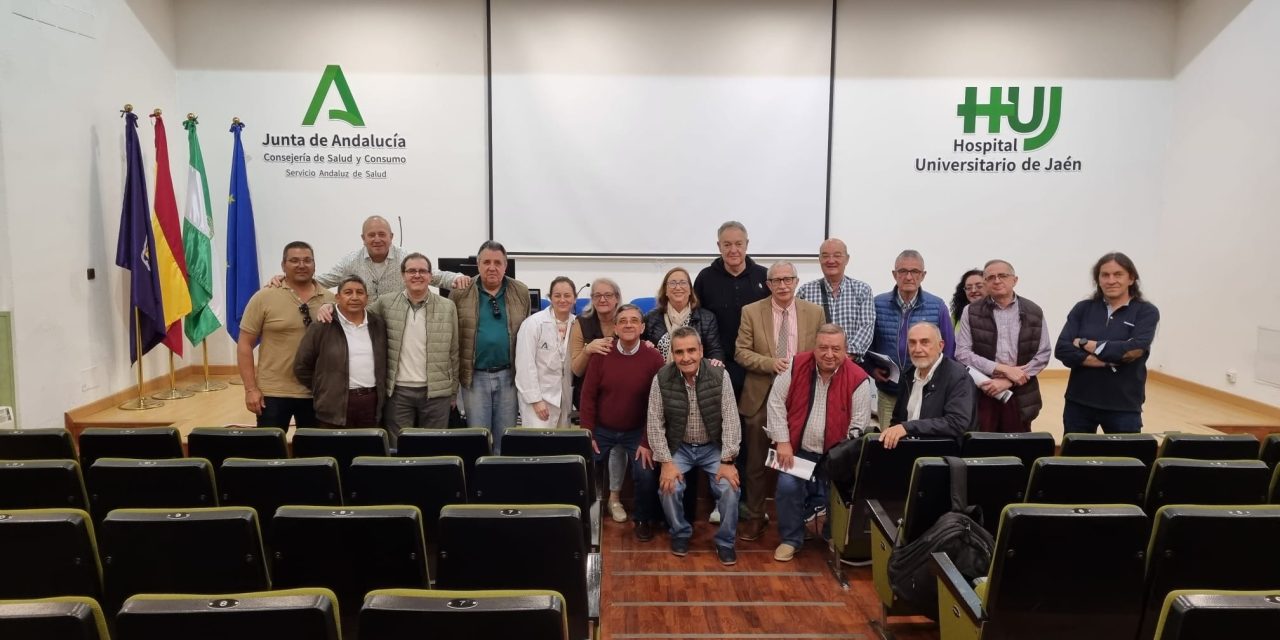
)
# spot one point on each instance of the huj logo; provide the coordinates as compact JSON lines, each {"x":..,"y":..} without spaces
{"x":997,"y":108}
{"x":350,"y":113}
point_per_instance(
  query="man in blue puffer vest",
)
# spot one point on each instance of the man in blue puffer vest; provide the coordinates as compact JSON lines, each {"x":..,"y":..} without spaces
{"x":896,"y":311}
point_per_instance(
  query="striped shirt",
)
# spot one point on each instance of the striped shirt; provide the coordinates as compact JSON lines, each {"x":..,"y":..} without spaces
{"x":695,"y":431}
{"x":853,"y":310}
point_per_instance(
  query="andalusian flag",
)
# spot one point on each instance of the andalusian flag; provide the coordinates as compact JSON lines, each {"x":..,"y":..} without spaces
{"x":170,"y":261}
{"x":197,"y":239}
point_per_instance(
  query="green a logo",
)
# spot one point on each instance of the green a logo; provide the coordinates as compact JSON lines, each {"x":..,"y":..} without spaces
{"x":996,"y":108}
{"x":350,"y":114}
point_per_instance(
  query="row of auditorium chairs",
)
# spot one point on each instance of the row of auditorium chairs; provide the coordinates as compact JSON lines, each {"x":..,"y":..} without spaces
{"x":302,"y":614}
{"x":428,"y":483}
{"x":1178,"y":467}
{"x":993,"y":486}
{"x":1106,"y":572}
{"x":350,"y":550}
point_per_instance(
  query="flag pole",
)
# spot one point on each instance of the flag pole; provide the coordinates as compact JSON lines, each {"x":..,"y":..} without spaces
{"x":208,"y":385}
{"x":142,"y":402}
{"x":173,"y":392}
{"x":236,"y":379}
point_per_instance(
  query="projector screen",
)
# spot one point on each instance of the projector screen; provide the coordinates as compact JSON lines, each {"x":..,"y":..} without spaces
{"x":638,"y":126}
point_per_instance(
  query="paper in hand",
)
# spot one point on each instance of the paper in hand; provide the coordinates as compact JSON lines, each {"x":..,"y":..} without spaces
{"x":800,"y":467}
{"x":980,"y":377}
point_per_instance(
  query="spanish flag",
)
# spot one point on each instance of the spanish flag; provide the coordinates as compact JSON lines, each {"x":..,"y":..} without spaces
{"x":170,"y":257}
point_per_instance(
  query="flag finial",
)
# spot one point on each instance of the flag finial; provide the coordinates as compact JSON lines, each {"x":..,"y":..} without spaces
{"x":191,"y":116}
{"x":235,"y":121}
{"x":156,"y":111}
{"x":128,"y":108}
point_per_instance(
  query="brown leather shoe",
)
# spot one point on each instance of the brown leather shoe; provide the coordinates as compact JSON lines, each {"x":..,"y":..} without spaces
{"x":751,"y":530}
{"x":644,"y":531}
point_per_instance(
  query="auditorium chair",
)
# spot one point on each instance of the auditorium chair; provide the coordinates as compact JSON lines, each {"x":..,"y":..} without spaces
{"x":311,"y":614}
{"x":36,"y":444}
{"x":882,"y":474}
{"x":343,"y":445}
{"x":1273,"y":494}
{"x":1208,"y":614}
{"x":144,"y":443}
{"x":42,"y":484}
{"x":992,"y":483}
{"x":646,"y":304}
{"x":1027,"y":447}
{"x":508,"y":479}
{"x":1210,"y":547}
{"x":426,"y":483}
{"x":117,"y":483}
{"x":1183,"y":481}
{"x":216,"y":444}
{"x":267,"y":485}
{"x":392,"y":614}
{"x":58,"y":618}
{"x":351,"y":550}
{"x":1269,"y":452}
{"x":48,"y":552}
{"x":215,"y":550}
{"x":532,"y":442}
{"x":1239,"y":446}
{"x":477,"y":552}
{"x":1058,"y":573}
{"x":1142,"y":446}
{"x":468,"y":443}
{"x":1092,"y":480}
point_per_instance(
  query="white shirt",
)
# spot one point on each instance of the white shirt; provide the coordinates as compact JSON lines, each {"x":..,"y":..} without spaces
{"x":917,"y":390}
{"x":359,"y":353}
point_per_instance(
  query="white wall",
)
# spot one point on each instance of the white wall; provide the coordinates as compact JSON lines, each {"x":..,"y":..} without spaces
{"x":1215,"y":278}
{"x":63,"y":158}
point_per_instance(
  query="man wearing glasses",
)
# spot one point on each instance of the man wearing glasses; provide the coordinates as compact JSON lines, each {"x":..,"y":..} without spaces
{"x":489,"y":318}
{"x":1003,"y":336}
{"x":896,"y":311}
{"x":773,"y":330}
{"x":279,"y":316}
{"x":847,"y":303}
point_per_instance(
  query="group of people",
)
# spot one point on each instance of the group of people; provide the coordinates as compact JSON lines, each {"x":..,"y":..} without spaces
{"x":734,"y":371}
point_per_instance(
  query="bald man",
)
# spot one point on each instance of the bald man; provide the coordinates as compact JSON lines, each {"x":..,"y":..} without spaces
{"x":378,"y":264}
{"x":938,"y":399}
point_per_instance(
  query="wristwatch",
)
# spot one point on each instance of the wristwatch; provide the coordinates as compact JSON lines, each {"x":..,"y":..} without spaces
{"x":1080,"y":342}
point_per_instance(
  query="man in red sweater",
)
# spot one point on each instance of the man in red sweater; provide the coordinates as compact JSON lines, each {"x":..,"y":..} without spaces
{"x":615,"y":401}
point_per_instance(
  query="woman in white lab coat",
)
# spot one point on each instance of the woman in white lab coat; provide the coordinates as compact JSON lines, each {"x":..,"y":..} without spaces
{"x":543,"y":373}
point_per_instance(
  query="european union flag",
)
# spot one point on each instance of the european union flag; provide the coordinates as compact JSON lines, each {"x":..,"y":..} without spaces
{"x":135,"y":250}
{"x":242,"y":241}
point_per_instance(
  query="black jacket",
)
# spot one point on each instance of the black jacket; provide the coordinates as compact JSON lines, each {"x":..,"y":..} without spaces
{"x":655,"y":328}
{"x":948,"y":407}
{"x":725,"y":295}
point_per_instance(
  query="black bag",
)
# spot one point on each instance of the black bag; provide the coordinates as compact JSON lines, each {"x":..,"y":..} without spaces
{"x":959,"y":534}
{"x":841,"y":464}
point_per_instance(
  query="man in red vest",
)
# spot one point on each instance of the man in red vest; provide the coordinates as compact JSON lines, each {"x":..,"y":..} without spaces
{"x":820,"y":400}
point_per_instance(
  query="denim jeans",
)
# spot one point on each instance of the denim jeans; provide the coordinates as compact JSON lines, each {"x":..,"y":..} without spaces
{"x":1078,"y":418}
{"x":795,"y":498}
{"x":491,"y":403}
{"x":707,"y":458}
{"x":646,"y":480}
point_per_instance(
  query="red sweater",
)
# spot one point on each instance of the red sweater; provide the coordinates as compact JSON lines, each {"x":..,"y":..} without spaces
{"x":615,"y":390}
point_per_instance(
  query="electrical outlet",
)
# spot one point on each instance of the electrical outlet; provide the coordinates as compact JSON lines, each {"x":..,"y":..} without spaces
{"x":1231,"y":376}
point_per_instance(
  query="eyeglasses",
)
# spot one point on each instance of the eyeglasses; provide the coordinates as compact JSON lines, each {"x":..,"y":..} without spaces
{"x":417,"y":272}
{"x":306,"y":314}
{"x":677,"y":283}
{"x":493,"y":305}
{"x":998,"y":276}
{"x":603,"y":296}
{"x":903,"y":273}
{"x":782,"y":280}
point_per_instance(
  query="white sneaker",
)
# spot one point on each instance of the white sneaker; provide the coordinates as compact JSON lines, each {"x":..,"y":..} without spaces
{"x":618,"y":512}
{"x":715,"y":516}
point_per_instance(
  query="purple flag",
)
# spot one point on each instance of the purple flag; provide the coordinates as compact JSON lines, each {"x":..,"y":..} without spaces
{"x":134,"y":249}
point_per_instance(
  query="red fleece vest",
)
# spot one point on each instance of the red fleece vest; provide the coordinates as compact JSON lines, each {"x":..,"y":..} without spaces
{"x":839,"y":399}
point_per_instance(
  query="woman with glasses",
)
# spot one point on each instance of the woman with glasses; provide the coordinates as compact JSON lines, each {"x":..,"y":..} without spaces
{"x":969,"y":290}
{"x":678,"y":307}
{"x":593,"y":334}
{"x":543,"y":376}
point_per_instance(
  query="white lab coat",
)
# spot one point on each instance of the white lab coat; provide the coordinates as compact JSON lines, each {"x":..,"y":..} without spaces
{"x":542,"y":369}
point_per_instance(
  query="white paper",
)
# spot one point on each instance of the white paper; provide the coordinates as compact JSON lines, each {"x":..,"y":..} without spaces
{"x":980,"y":377}
{"x":894,"y":371}
{"x":800,"y":467}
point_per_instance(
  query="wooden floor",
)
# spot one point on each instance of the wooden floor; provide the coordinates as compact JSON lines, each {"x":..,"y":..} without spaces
{"x":648,"y":593}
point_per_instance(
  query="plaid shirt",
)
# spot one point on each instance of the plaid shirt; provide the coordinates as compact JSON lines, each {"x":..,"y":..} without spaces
{"x":854,"y":310}
{"x":695,"y":430}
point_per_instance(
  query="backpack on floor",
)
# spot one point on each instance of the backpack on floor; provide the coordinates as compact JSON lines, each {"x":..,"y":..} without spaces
{"x":958,"y":533}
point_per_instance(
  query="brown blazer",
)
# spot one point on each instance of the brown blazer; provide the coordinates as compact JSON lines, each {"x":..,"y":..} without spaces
{"x":757,"y":342}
